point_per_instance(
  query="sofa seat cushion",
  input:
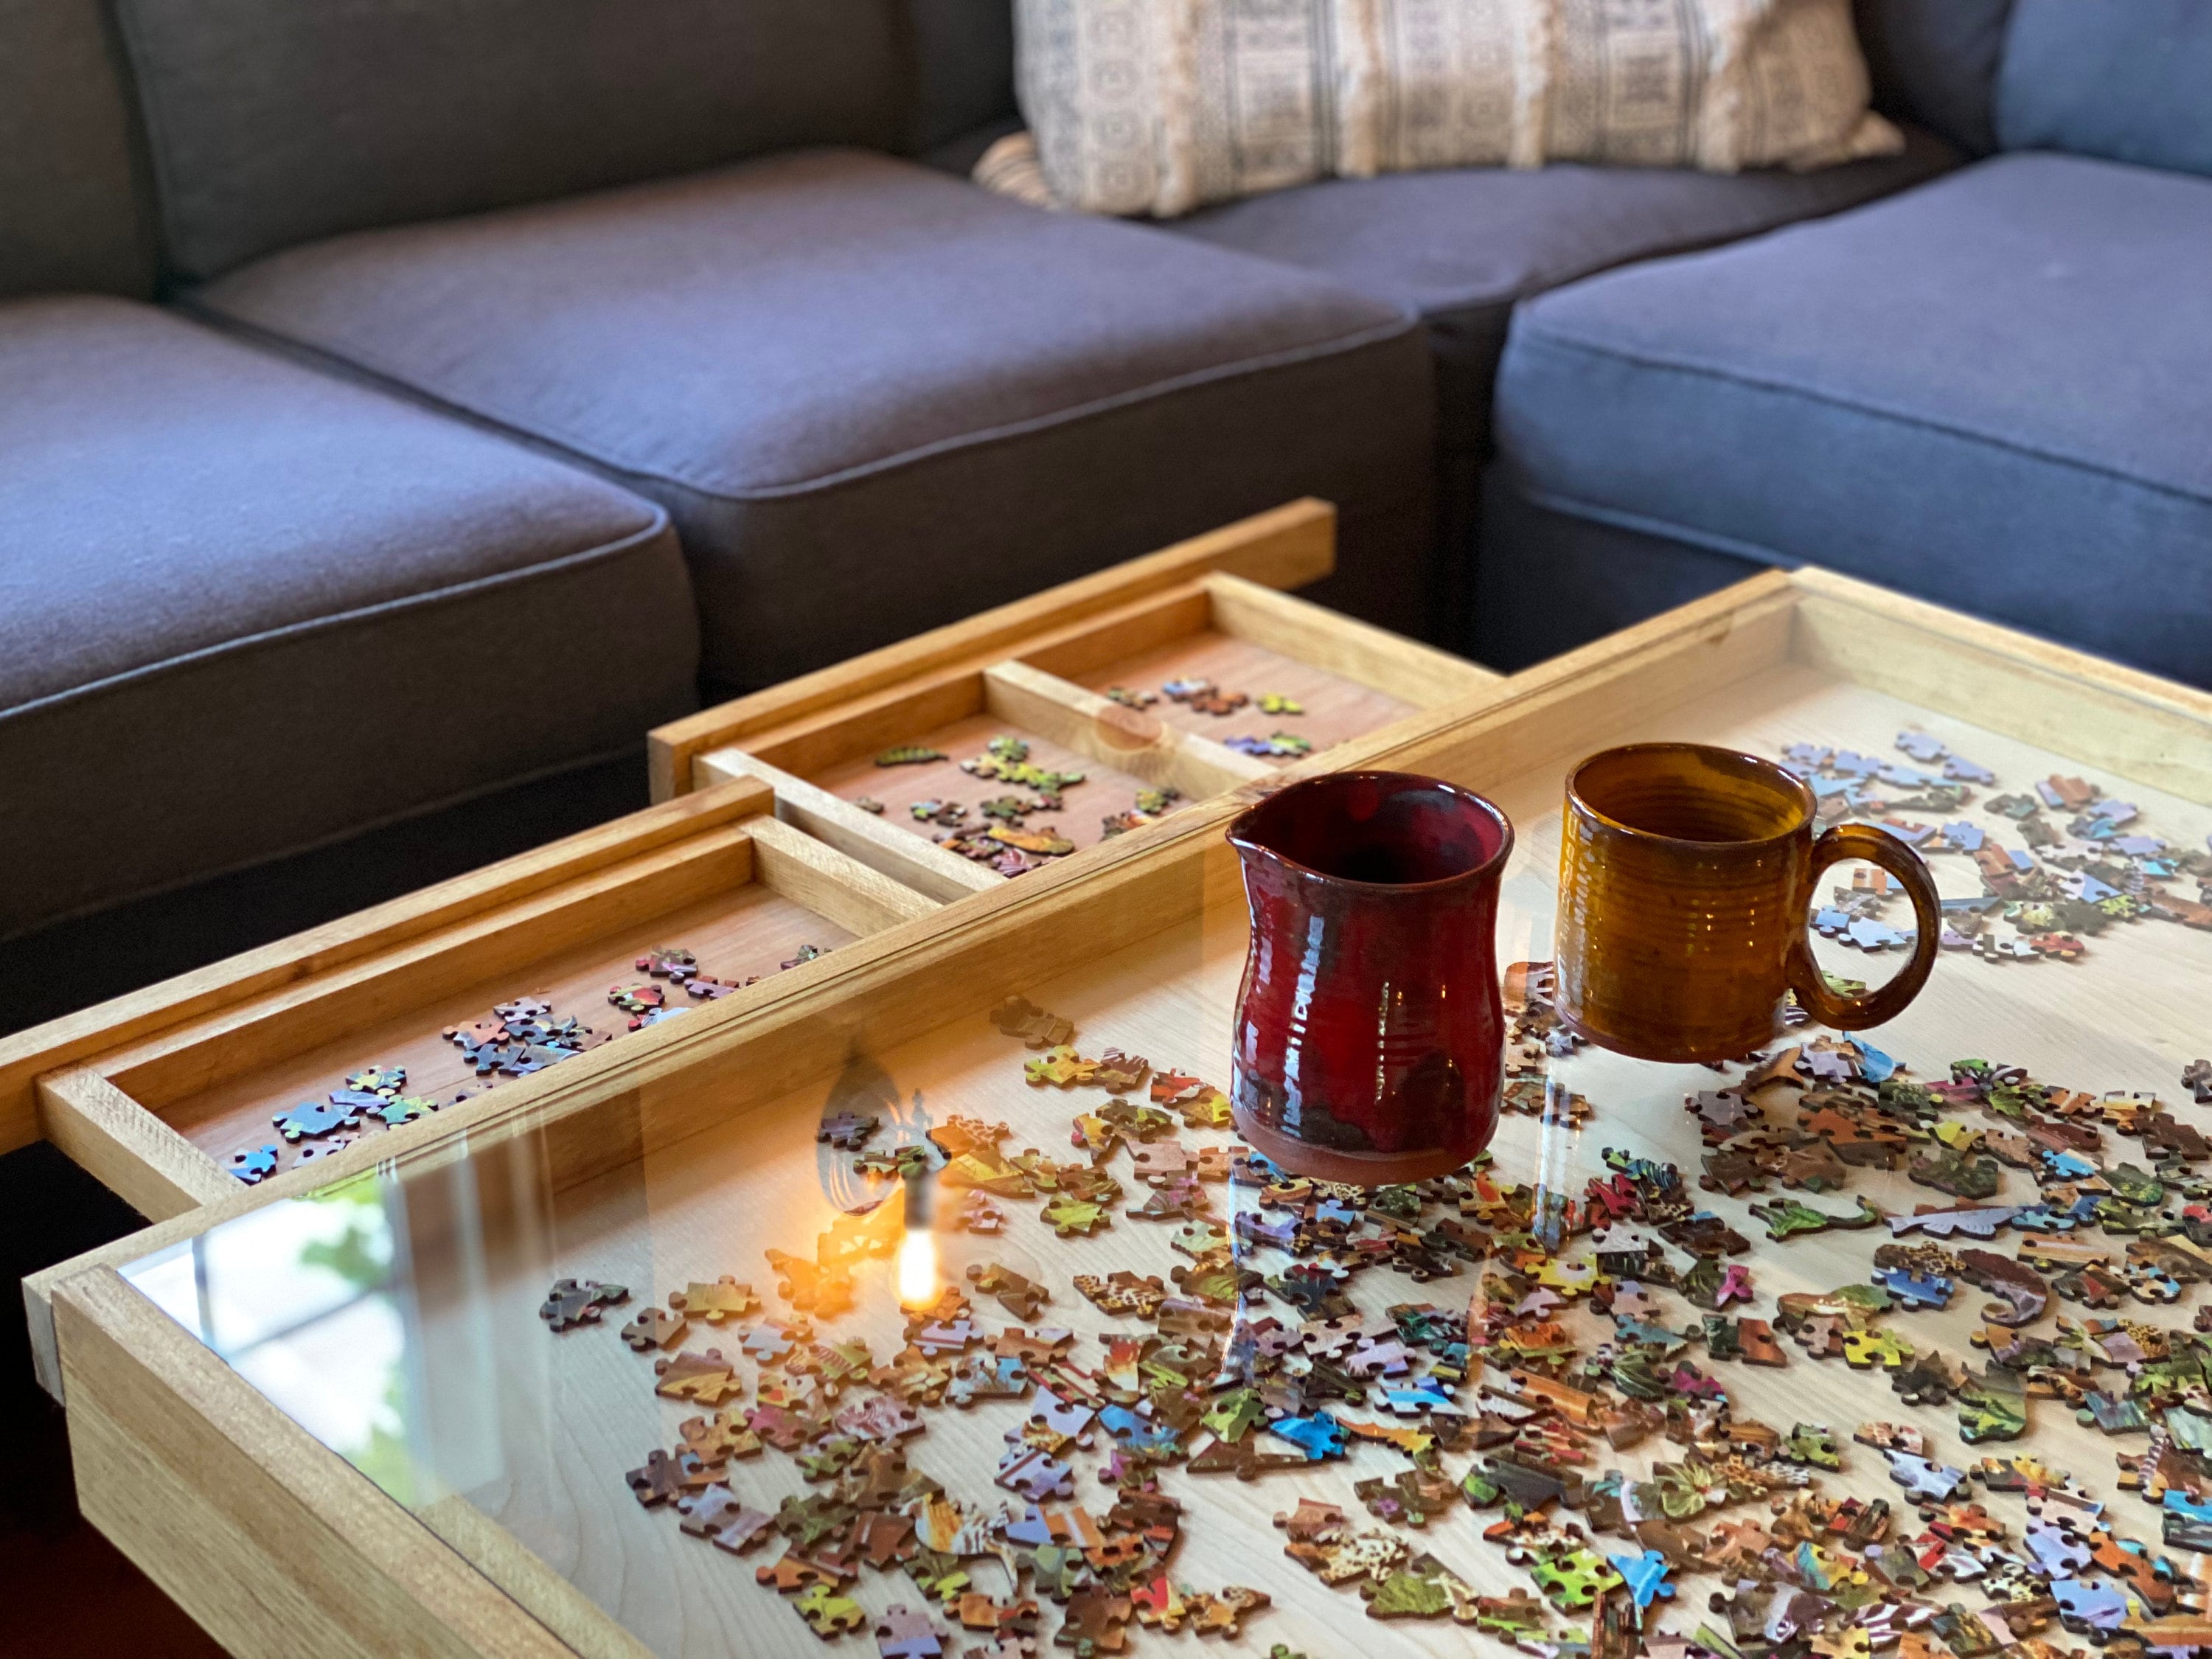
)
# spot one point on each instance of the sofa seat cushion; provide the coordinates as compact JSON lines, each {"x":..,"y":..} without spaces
{"x":874,"y":397}
{"x":245,"y":607}
{"x":1992,"y":391}
{"x":1461,"y":247}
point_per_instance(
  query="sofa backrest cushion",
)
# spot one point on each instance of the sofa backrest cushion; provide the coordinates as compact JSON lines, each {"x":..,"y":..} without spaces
{"x":2125,"y":80}
{"x":73,"y":214}
{"x":1934,"y":64}
{"x":964,"y":52}
{"x":275,"y":122}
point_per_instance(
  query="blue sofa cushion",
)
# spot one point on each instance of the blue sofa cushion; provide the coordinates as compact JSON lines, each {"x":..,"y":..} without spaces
{"x":874,"y":397}
{"x":73,"y":214}
{"x":1992,"y":390}
{"x":245,"y":608}
{"x":1461,"y":247}
{"x":2128,"y":80}
{"x":1934,"y":64}
{"x":272,"y":122}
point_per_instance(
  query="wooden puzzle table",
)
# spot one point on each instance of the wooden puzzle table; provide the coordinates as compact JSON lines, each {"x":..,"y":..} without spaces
{"x":334,"y":1420}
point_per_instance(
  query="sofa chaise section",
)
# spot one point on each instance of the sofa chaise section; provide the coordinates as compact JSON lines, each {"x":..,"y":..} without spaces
{"x":1992,"y":391}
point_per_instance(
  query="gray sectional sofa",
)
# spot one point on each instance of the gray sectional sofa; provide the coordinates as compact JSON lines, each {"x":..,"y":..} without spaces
{"x":401,"y":403}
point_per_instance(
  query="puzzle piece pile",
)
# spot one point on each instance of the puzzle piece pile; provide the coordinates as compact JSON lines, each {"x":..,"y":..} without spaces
{"x":1001,"y":835}
{"x":516,"y":1039}
{"x":1503,"y":1408}
{"x":374,"y":1097}
{"x":2085,"y":862}
{"x":997,"y":833}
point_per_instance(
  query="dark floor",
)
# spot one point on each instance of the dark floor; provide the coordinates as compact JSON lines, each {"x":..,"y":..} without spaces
{"x":66,"y":1593}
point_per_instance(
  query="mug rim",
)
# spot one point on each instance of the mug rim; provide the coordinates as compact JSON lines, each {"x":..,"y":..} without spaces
{"x":1809,"y":808}
{"x":1239,"y":838}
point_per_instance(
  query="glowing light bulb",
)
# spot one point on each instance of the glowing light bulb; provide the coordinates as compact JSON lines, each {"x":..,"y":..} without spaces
{"x":917,"y":1268}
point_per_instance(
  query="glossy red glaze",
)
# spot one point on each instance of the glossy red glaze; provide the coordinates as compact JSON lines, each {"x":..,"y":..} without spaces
{"x":1369,"y":1038}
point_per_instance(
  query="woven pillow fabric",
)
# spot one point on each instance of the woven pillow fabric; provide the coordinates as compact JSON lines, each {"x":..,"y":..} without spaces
{"x":1159,"y":107}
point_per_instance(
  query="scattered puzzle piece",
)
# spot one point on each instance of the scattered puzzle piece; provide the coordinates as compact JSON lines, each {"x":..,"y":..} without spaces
{"x":706,"y":1377}
{"x":903,"y":1633}
{"x":828,"y":1613}
{"x":573,"y":1302}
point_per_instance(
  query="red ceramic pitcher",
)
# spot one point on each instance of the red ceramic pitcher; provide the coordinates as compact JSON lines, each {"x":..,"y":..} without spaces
{"x":1369,"y":1039}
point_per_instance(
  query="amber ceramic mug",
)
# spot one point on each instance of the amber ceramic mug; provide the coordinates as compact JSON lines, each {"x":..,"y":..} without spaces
{"x":1686,"y":876}
{"x":1370,"y":1037}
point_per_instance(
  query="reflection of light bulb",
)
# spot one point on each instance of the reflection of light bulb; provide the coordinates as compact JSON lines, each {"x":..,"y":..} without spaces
{"x":917,"y":1268}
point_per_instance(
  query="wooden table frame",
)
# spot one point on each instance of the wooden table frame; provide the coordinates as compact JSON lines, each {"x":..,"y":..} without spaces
{"x":277,"y":1545}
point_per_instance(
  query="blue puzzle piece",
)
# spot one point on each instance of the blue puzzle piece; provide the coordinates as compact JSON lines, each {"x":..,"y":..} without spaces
{"x":1426,"y":1397}
{"x":1318,"y":1436}
{"x":311,"y":1118}
{"x":1921,"y":746}
{"x":2042,"y":1218}
{"x":1646,"y":1575}
{"x":2178,"y":1503}
{"x":1904,"y":777}
{"x":254,"y":1164}
{"x":1875,"y":1065}
{"x":1868,"y":934}
{"x":1913,"y":1291}
{"x":1135,"y":1434}
{"x":2084,"y":1607}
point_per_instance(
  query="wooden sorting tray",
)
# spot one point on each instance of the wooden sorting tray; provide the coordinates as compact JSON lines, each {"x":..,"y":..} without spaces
{"x":155,"y":1092}
{"x":1039,"y":670}
{"x":681,"y":1154}
{"x":160,"y":1091}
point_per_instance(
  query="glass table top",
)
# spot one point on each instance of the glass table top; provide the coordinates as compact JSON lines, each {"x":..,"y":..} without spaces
{"x":397,"y":1318}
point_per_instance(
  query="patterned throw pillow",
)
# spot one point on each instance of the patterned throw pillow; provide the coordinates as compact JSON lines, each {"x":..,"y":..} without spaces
{"x":1159,"y":107}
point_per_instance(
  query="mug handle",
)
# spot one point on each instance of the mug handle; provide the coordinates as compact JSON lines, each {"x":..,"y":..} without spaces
{"x":1876,"y":846}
